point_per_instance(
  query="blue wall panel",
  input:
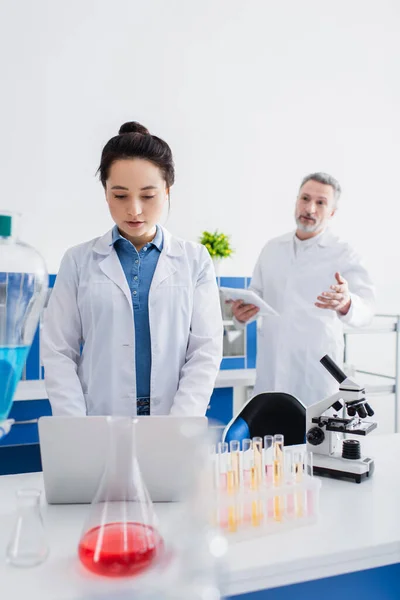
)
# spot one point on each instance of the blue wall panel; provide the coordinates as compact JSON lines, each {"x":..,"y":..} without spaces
{"x":233,"y":362}
{"x":32,"y":368}
{"x":233,"y":282}
{"x":20,"y":459}
{"x":382,"y":583}
{"x":251,"y":350}
{"x":221,"y":406}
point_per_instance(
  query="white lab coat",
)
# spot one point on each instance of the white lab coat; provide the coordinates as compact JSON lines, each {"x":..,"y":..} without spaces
{"x":290,"y":346}
{"x":91,"y":305}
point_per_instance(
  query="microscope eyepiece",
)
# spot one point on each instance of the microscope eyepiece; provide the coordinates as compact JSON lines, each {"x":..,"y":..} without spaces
{"x":333,"y":369}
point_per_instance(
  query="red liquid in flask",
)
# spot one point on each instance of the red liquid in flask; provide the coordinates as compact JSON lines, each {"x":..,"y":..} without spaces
{"x":119,"y":549}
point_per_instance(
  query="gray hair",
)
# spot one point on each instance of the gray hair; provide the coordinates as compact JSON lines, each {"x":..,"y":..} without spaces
{"x":327,"y":180}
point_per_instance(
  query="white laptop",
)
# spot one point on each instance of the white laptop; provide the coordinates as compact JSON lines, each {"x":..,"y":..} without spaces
{"x":74,"y":449}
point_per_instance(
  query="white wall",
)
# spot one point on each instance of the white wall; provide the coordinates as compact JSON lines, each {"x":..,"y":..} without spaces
{"x":250,"y":95}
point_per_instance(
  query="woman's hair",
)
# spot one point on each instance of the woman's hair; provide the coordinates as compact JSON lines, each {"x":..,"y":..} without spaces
{"x":135,"y":141}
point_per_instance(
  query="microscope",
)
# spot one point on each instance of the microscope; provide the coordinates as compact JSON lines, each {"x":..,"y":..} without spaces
{"x":333,"y":455}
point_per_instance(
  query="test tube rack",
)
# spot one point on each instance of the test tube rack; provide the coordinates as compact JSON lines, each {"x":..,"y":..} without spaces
{"x":261,"y":490}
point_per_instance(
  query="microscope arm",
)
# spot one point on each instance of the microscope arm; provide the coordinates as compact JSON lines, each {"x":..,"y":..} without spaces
{"x":317,"y":409}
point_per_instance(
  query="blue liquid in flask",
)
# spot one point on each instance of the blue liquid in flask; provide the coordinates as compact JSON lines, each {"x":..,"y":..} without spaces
{"x":12,"y":360}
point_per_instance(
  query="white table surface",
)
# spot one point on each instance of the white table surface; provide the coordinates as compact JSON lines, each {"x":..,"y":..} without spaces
{"x":359,"y":528}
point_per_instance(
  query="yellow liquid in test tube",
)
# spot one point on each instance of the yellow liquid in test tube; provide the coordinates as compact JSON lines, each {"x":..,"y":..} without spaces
{"x":233,"y":487}
{"x":278,"y":474}
{"x":231,"y":482}
{"x":257,"y":462}
{"x":256,"y":513}
{"x":234,"y":470}
{"x":277,"y":499}
{"x":232,"y":519}
{"x":256,"y":474}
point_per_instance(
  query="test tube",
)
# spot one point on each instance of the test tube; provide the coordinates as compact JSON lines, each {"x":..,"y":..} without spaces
{"x":256,"y":473}
{"x":233,"y":483}
{"x":214,"y":466}
{"x":223,"y":456}
{"x":214,"y":476}
{"x":310,"y":492}
{"x":278,"y":475}
{"x":298,"y":464}
{"x":268,"y":472}
{"x":234,"y":467}
{"x":289,"y":480}
{"x":222,"y":465}
{"x":257,"y":462}
{"x":247,"y":462}
{"x":278,"y":459}
{"x":247,"y":466}
{"x":268,"y":459}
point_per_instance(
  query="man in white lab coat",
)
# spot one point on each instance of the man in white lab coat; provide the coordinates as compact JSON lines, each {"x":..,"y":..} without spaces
{"x":317,"y":284}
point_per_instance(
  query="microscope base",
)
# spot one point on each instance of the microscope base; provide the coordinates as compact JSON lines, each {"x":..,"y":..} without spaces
{"x":343,"y":468}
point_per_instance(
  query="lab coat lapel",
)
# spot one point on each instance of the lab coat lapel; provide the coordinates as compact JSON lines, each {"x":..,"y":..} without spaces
{"x":112,"y":268}
{"x":110,"y":264}
{"x":165,"y":268}
{"x":169,"y":260}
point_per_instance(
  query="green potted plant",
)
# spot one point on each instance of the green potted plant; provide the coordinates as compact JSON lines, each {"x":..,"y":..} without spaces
{"x":218,"y":246}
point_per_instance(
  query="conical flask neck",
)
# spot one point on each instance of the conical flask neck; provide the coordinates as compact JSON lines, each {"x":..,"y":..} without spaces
{"x":121,"y":468}
{"x":120,"y":537}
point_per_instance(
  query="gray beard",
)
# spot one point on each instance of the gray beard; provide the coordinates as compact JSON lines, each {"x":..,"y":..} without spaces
{"x":307,"y":228}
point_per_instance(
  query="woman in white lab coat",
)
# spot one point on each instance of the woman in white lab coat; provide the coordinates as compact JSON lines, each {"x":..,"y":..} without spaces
{"x":133,"y":324}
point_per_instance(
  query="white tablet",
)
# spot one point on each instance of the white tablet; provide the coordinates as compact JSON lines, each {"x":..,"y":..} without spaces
{"x":248,"y":297}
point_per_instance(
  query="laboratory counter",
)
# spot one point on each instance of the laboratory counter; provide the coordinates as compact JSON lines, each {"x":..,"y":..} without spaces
{"x":19,"y":450}
{"x":227,"y":378}
{"x":358,"y":529}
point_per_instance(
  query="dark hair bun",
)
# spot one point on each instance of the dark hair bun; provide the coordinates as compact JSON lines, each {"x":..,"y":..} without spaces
{"x":133,"y":127}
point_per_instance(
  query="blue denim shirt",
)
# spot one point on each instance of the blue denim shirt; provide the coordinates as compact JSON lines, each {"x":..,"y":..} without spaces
{"x":139,"y":269}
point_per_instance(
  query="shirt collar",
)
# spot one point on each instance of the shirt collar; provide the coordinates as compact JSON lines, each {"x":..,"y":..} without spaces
{"x":310,"y":241}
{"x":326,"y":238}
{"x":157,"y":241}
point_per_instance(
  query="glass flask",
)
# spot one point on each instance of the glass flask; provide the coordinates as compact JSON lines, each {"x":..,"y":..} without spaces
{"x":28,"y":544}
{"x":23,"y":292}
{"x":121,"y":536}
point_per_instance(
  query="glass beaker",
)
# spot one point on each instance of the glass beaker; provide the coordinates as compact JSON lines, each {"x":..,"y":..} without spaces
{"x":120,"y":537}
{"x":23,"y":292}
{"x":28,"y":545}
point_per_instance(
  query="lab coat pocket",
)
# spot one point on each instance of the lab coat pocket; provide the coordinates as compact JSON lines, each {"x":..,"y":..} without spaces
{"x":103,"y":286}
{"x":174,"y":302}
{"x":105,"y":298}
{"x":174,"y":288}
